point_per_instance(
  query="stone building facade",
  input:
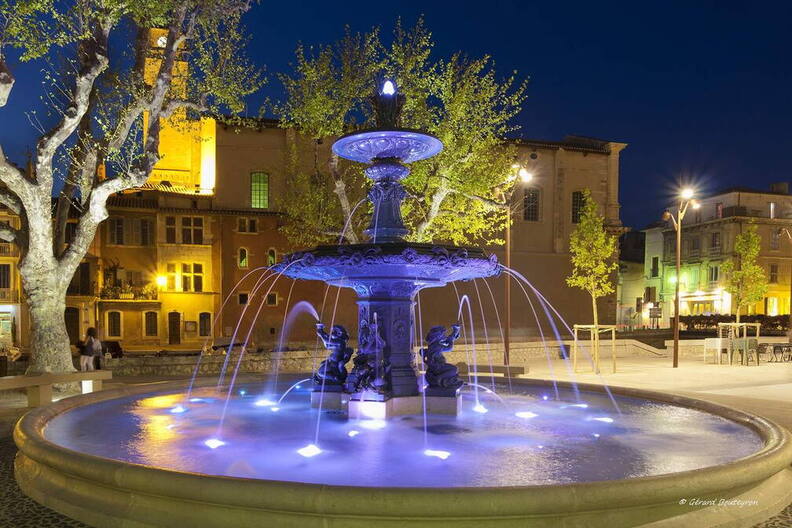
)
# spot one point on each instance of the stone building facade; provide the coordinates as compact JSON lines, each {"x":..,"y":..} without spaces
{"x":708,"y":238}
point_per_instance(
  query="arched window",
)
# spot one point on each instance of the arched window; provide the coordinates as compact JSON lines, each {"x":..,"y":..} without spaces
{"x":113,"y":324}
{"x":532,"y":202}
{"x":578,"y":202}
{"x":243,"y":258}
{"x":204,"y":324}
{"x":272,"y":257}
{"x":151,"y":324}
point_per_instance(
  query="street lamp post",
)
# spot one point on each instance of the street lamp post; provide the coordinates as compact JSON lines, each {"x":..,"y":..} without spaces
{"x":686,"y":199}
{"x":524,"y":176}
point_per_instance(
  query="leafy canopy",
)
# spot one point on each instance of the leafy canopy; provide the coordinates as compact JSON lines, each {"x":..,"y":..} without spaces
{"x":457,"y":196}
{"x":592,"y":251}
{"x":746,"y":280}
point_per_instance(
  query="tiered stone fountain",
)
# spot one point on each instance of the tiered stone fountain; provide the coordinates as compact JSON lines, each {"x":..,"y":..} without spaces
{"x":386,"y":273}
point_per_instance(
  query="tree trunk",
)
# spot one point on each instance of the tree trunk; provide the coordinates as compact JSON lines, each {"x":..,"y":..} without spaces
{"x":738,"y":314}
{"x":49,"y":341}
{"x":595,"y":341}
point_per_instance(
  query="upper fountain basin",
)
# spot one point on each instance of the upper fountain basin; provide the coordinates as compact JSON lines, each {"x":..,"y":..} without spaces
{"x":363,"y":266}
{"x":404,"y":145}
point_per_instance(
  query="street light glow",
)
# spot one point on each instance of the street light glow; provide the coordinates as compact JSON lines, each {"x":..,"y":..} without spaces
{"x":388,"y":88}
{"x":687,"y":193}
{"x":695,"y":204}
{"x":525,"y":175}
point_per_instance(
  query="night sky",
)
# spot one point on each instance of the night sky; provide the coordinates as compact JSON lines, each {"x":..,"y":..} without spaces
{"x":700,"y":92}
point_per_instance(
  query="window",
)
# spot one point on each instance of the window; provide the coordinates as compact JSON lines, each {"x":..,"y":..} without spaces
{"x":695,"y":245}
{"x":171,"y":274}
{"x":773,"y":273}
{"x":272,"y":299}
{"x":650,"y":294}
{"x":638,"y":304}
{"x":5,"y":276}
{"x":116,"y":228}
{"x":655,"y":266}
{"x":719,"y":210}
{"x":243,"y":298}
{"x":113,"y":324}
{"x":715,"y":241}
{"x":247,"y":225}
{"x":146,"y":232}
{"x":272,"y":257}
{"x":150,"y":324}
{"x":192,"y":277}
{"x":204,"y":324}
{"x":242,"y":260}
{"x":578,"y":201}
{"x":531,"y":205}
{"x":242,"y":225}
{"x":259,"y":190}
{"x":252,"y":227}
{"x":772,"y":207}
{"x":192,"y":230}
{"x":170,"y":229}
{"x":775,"y":239}
{"x":714,"y":273}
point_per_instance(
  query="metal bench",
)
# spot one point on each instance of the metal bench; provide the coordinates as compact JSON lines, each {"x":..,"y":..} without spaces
{"x":39,"y":388}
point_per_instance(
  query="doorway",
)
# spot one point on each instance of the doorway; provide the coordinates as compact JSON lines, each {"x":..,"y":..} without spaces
{"x":73,"y":324}
{"x":174,"y":328}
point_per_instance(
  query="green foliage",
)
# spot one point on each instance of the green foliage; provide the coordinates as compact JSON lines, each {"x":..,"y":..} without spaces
{"x":592,"y":250}
{"x":457,"y":196}
{"x":746,"y":280}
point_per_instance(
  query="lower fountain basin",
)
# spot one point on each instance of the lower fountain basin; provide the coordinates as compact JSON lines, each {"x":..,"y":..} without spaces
{"x":123,"y":457}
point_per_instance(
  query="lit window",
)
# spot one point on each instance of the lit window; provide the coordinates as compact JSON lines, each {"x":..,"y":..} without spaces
{"x":171,"y":273}
{"x":578,"y":201}
{"x":714,"y":273}
{"x":773,"y":273}
{"x":204,"y":324}
{"x":531,"y":204}
{"x":272,"y":257}
{"x":192,"y":277}
{"x":259,"y":190}
{"x":151,"y":320}
{"x":113,"y":324}
{"x":243,"y":258}
{"x":772,"y":210}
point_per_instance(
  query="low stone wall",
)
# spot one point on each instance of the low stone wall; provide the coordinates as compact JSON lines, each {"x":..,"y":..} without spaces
{"x":291,"y":361}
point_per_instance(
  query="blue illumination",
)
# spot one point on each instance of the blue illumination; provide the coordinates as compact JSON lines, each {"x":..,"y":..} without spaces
{"x":264,"y":402}
{"x":525,"y":414}
{"x":442,"y":455}
{"x":603,"y":419}
{"x":480,"y":408}
{"x":178,"y":409}
{"x":309,"y":451}
{"x":353,"y":433}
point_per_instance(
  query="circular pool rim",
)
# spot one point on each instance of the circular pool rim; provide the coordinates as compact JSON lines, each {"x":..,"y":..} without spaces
{"x":109,"y":492}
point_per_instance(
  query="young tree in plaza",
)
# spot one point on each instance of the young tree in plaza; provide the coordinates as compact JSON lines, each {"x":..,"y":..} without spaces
{"x":746,"y":280}
{"x":455,"y":196}
{"x":103,"y":112}
{"x":592,"y":250}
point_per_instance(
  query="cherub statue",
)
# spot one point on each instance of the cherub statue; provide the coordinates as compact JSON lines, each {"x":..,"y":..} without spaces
{"x":332,"y":371}
{"x":370,"y":371}
{"x":439,"y":373}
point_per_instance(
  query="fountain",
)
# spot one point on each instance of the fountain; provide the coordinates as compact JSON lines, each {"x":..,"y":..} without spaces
{"x":389,"y":434}
{"x":386,"y":273}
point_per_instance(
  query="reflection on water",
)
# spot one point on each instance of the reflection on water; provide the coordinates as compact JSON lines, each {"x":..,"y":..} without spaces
{"x":524,"y":440}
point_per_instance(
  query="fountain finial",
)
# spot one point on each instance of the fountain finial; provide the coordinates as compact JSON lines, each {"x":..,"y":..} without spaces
{"x":387,"y":103}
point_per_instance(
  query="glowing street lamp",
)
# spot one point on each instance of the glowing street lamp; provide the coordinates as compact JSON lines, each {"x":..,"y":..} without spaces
{"x":525,"y":175}
{"x":685,"y":199}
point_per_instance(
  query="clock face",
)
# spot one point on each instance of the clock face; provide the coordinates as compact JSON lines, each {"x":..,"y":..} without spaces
{"x":162,"y":41}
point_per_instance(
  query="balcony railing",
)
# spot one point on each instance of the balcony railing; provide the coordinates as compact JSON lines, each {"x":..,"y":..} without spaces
{"x":715,"y":250}
{"x":148,"y":292}
{"x":8,"y":250}
{"x":7,"y":295}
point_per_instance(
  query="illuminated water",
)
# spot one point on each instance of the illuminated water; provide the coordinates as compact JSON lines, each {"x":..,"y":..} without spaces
{"x":527,"y":440}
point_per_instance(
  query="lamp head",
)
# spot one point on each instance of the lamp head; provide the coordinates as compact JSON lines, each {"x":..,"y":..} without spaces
{"x":666,"y":215}
{"x":695,"y":204}
{"x":687,"y":193}
{"x":525,"y":175}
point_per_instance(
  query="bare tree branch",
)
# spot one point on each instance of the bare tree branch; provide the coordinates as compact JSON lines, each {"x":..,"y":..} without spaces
{"x":11,"y":201}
